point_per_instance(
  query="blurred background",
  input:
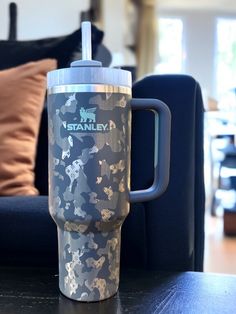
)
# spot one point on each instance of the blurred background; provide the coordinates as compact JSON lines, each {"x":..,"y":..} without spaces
{"x":196,"y":38}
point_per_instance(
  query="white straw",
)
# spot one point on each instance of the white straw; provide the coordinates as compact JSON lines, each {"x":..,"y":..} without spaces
{"x":86,"y":41}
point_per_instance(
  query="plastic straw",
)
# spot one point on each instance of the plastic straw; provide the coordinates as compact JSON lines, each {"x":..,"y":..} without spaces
{"x":86,"y":41}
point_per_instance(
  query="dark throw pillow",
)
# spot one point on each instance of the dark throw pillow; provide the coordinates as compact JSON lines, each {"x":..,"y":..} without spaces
{"x":14,"y":53}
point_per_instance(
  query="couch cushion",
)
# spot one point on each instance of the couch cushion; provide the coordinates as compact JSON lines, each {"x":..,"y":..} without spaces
{"x":22,"y":92}
{"x":29,"y":238}
{"x":27,"y":232}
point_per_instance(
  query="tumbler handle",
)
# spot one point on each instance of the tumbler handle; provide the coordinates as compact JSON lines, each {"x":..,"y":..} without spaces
{"x":161,"y":151}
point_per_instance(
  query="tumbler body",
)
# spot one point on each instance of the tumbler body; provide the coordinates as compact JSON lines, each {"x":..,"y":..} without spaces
{"x":89,"y":182}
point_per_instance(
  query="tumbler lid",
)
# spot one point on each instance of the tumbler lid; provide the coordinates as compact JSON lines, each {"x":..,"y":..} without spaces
{"x":88,"y":71}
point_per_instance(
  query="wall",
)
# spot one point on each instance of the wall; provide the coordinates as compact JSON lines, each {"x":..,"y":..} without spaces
{"x":114,"y":17}
{"x":43,"y":18}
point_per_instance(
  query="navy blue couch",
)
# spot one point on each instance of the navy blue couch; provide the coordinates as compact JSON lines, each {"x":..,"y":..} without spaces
{"x":163,"y":234}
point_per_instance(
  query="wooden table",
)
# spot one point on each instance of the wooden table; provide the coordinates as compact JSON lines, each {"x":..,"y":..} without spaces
{"x":35,"y":291}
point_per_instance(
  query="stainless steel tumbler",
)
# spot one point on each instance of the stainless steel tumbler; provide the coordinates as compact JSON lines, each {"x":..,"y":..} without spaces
{"x":89,"y":116}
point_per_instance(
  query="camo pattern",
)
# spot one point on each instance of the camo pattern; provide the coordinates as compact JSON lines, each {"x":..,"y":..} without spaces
{"x":89,"y":175}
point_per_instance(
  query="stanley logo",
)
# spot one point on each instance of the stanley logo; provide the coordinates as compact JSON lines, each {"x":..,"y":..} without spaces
{"x":87,"y":122}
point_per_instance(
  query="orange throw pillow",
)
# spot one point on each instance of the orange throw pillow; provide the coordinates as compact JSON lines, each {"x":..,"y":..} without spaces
{"x":22,"y":94}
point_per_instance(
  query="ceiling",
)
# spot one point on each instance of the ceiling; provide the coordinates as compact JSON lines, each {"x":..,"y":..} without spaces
{"x":216,"y":5}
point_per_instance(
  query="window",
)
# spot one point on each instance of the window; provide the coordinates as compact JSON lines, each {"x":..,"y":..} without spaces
{"x":170,"y":58}
{"x":226,"y":56}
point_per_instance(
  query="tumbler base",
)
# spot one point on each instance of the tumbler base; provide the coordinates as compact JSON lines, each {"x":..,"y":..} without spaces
{"x":88,"y":301}
{"x":89,"y":264}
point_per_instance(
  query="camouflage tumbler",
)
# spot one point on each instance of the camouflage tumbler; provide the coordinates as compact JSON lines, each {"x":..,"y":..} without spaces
{"x":89,"y":116}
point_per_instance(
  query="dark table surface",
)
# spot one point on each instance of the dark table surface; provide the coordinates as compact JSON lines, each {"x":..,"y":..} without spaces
{"x":36,"y":291}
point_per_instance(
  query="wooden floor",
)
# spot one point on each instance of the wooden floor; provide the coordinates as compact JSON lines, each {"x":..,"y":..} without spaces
{"x":220,"y":251}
